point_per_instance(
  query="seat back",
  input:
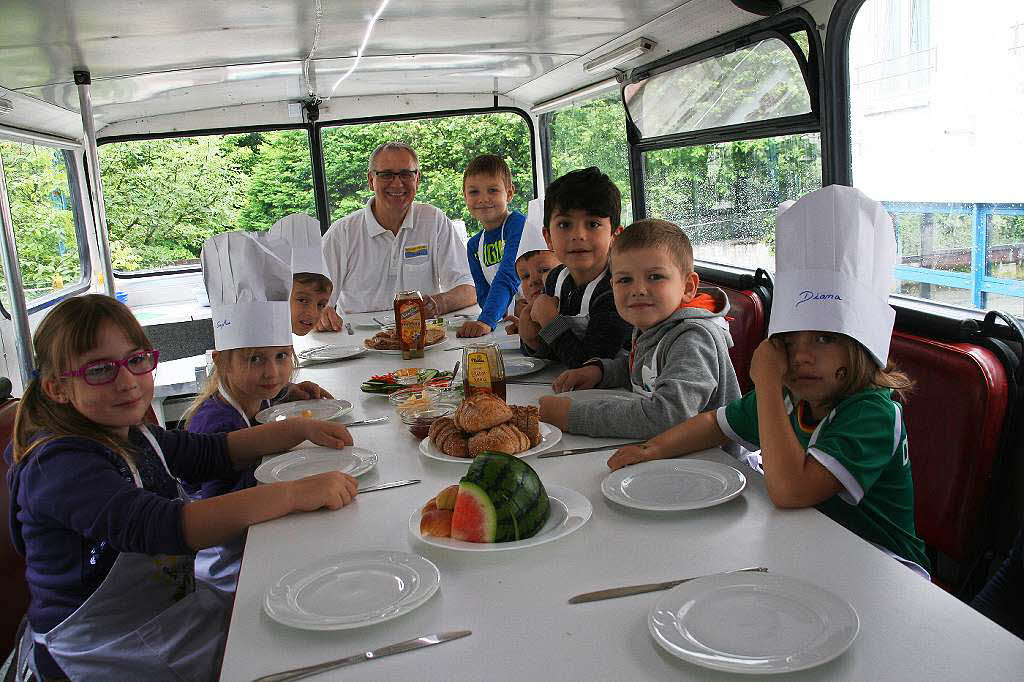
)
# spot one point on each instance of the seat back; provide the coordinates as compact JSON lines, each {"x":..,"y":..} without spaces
{"x":954,"y":419}
{"x":12,"y":565}
{"x":748,"y":325}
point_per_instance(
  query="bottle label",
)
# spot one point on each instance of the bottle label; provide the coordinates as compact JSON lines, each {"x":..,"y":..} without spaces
{"x":409,"y":323}
{"x":478,"y":370}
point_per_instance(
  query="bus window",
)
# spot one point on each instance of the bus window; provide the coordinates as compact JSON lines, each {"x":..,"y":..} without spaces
{"x":728,"y":137}
{"x":444,"y":145}
{"x":592,"y":134}
{"x":46,"y":229}
{"x":165,"y":196}
{"x":944,"y":158}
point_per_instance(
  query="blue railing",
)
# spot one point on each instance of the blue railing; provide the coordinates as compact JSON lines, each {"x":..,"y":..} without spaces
{"x":977,"y":280}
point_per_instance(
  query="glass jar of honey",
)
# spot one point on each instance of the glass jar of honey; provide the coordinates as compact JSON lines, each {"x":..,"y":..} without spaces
{"x":410,"y":323}
{"x":483,"y":370}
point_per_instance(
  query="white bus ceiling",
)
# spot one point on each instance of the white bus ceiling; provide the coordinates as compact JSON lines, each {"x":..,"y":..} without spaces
{"x":166,"y":66}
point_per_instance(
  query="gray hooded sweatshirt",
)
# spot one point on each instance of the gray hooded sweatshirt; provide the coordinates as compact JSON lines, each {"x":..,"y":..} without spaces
{"x":694,"y":374}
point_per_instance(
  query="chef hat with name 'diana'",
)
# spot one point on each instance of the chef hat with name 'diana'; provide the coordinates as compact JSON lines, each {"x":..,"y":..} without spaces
{"x":533,"y":229}
{"x":303,"y":234}
{"x":248,"y":279}
{"x":834,"y":253}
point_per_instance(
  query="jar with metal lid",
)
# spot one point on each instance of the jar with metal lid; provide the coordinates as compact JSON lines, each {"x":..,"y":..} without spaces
{"x":483,"y":370}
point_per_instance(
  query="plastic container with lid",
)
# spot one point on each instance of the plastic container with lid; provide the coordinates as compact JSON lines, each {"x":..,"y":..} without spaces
{"x":419,"y":421}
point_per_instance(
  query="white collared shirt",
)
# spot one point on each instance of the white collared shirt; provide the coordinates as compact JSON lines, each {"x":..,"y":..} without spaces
{"x":369,"y":265}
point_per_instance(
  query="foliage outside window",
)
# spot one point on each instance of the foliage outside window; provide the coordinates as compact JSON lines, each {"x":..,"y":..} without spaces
{"x":724,"y":195}
{"x":946,"y":165}
{"x":39,"y":191}
{"x":592,"y":134}
{"x":164,"y":197}
{"x":443,"y":145}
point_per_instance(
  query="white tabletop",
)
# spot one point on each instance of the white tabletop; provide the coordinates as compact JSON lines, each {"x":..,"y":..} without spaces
{"x":515,"y":601}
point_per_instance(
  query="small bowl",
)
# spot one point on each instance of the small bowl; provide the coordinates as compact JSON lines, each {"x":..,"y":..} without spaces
{"x":410,"y":379}
{"x":419,"y":421}
{"x":413,"y":398}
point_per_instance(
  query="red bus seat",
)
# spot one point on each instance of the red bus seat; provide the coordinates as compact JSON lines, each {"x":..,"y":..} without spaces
{"x":954,"y":420}
{"x":748,"y":325}
{"x":12,"y":565}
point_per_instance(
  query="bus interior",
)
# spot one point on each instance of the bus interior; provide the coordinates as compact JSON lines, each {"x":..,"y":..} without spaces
{"x":131,"y":131}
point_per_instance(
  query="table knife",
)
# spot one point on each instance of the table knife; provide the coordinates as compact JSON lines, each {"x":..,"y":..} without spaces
{"x":580,"y":451}
{"x":615,"y":592}
{"x":381,"y":652}
{"x":392,"y":484}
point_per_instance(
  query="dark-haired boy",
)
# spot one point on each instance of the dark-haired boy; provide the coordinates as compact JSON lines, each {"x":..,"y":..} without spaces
{"x":679,"y":362}
{"x":575,"y":318}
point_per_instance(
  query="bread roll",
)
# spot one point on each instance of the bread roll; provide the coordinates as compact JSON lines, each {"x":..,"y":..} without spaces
{"x":501,"y":438}
{"x":481,"y":412}
{"x":526,"y":418}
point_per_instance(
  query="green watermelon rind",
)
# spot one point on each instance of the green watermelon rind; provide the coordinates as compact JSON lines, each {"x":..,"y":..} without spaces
{"x":515,"y":492}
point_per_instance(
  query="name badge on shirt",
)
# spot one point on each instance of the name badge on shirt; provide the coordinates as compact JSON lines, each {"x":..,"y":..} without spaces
{"x":416,"y":251}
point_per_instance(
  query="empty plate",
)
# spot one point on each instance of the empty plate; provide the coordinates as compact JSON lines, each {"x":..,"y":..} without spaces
{"x":756,"y":623}
{"x":673,"y":484}
{"x":314,"y":460}
{"x":313,"y":409}
{"x":352,"y":590}
{"x":330,"y":353}
{"x":517,"y":367}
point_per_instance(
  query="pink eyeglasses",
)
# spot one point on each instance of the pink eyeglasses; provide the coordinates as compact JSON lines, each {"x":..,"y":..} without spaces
{"x":105,"y":371}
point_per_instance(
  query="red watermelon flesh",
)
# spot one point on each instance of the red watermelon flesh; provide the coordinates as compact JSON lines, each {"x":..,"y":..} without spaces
{"x":474,"y":518}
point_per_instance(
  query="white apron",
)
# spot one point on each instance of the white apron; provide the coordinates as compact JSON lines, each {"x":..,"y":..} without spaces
{"x":648,"y":375}
{"x":218,"y":566}
{"x":579,"y":321}
{"x":148,"y":619}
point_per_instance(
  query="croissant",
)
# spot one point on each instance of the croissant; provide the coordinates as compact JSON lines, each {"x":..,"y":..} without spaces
{"x":451,"y":441}
{"x":440,"y":424}
{"x":481,"y":412}
{"x":502,"y":438}
{"x":526,"y":418}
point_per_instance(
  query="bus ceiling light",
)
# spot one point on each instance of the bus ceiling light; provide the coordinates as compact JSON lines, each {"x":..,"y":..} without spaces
{"x":620,"y":55}
{"x":574,"y":96}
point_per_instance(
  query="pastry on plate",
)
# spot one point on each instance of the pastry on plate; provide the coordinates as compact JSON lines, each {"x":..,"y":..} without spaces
{"x":480,"y":412}
{"x":526,"y":418}
{"x":502,"y":438}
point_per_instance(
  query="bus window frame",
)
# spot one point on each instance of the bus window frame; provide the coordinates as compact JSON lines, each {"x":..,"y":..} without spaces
{"x":81,"y":235}
{"x":314,"y":130}
{"x":780,"y":26}
{"x":445,"y":113}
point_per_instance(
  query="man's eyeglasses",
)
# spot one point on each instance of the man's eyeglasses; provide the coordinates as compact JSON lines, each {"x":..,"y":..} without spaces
{"x":105,"y":371}
{"x":388,"y":176}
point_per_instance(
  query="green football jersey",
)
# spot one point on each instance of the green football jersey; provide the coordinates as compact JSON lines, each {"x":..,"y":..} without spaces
{"x":863,"y":443}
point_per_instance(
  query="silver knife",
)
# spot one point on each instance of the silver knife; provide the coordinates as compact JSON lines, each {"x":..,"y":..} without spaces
{"x":392,"y":484}
{"x":615,"y":592}
{"x":580,"y":451}
{"x":381,"y":652}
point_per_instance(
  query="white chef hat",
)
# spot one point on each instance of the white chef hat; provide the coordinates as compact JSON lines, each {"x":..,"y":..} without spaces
{"x":533,"y":230}
{"x":303,"y":234}
{"x":248,"y":280}
{"x":834,"y":253}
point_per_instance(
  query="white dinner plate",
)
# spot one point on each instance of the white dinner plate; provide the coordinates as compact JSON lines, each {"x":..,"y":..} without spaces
{"x":324,"y":408}
{"x":352,"y":590}
{"x":549,"y":435}
{"x":756,"y":623}
{"x":310,"y":461}
{"x":569,"y":511}
{"x":517,"y":367}
{"x":426,"y":349}
{"x":673,"y":484}
{"x":600,"y":394}
{"x":330,"y":353}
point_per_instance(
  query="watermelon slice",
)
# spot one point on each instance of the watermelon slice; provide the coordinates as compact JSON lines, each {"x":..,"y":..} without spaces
{"x":500,"y":499}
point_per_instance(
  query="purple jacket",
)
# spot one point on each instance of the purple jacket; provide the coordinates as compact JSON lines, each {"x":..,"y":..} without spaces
{"x":215,"y":415}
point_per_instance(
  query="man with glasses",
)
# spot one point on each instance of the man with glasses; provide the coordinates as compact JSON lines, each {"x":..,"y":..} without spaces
{"x":394,"y":244}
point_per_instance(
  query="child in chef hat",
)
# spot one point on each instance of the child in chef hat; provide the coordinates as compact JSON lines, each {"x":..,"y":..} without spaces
{"x":822,"y":411}
{"x":534,"y":260}
{"x":311,"y":283}
{"x":248,"y":279}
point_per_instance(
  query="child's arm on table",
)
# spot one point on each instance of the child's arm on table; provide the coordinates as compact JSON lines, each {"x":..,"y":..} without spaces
{"x":696,"y":433}
{"x":306,"y":390}
{"x":791,"y":477}
{"x":582,"y":378}
{"x":247,"y":445}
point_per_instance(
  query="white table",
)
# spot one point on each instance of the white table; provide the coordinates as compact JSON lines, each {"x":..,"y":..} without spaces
{"x":515,"y":602}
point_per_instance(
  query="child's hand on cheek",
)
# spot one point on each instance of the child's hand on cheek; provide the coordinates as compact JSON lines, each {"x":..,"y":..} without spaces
{"x":768,"y":364}
{"x":544,"y":309}
{"x":555,"y":410}
{"x":529,"y":330}
{"x":327,"y":434}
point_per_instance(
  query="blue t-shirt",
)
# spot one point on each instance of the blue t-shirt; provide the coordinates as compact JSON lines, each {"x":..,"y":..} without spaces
{"x":500,"y":247}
